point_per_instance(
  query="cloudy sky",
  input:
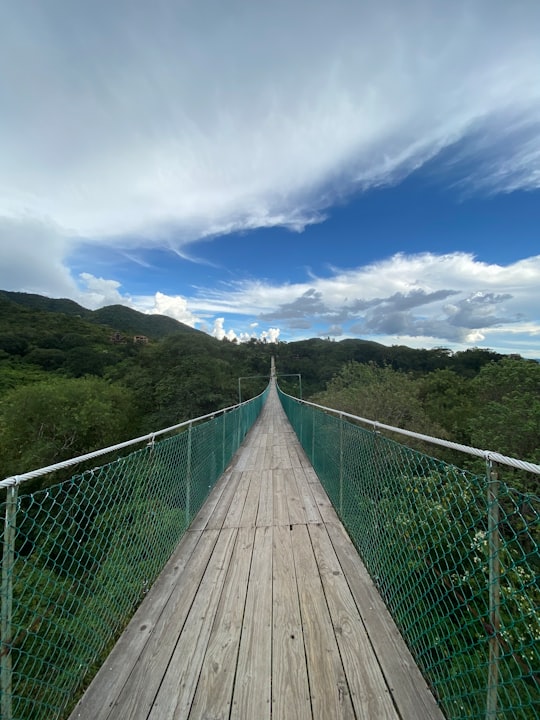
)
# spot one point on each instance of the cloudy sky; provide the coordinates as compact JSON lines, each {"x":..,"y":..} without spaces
{"x":279,"y":169}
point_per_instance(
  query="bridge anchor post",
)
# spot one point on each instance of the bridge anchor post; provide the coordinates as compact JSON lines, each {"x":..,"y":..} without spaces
{"x":8,"y":563}
{"x":494,"y":588}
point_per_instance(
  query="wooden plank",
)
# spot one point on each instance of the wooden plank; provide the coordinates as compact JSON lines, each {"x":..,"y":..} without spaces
{"x":252,"y":690}
{"x":215,"y":687}
{"x":326,"y":508}
{"x":265,"y":513}
{"x":330,"y":697}
{"x":311,"y":510}
{"x":179,"y":682}
{"x":294,"y":502}
{"x":268,"y":460}
{"x":294,"y":448}
{"x":281,"y":508}
{"x":138,"y":693}
{"x":205,"y":513}
{"x":369,"y":692}
{"x":409,"y":689}
{"x":217,"y":518}
{"x":251,"y":506}
{"x":290,"y":688}
{"x":311,"y":475}
{"x":236,"y":508}
{"x":101,"y":696}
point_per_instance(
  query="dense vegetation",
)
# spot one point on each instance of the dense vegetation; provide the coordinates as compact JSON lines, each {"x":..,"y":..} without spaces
{"x":73,"y":380}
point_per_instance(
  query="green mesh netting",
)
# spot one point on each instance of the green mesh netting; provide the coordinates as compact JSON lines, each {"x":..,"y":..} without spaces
{"x":421,"y":527}
{"x":86,"y":551}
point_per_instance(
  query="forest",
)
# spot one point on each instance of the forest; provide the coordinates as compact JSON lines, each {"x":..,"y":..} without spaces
{"x":74,"y":380}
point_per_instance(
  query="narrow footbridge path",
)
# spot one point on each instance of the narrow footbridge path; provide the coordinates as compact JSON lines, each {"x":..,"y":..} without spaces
{"x":265,"y":610}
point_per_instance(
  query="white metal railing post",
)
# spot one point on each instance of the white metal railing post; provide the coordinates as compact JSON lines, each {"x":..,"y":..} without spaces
{"x":341,"y":465}
{"x":188,"y":476}
{"x":223,"y":442}
{"x":313,"y":438}
{"x":8,"y":562}
{"x":494,"y":588}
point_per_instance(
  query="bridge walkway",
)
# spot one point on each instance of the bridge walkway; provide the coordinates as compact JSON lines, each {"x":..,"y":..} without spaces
{"x":265,"y":610}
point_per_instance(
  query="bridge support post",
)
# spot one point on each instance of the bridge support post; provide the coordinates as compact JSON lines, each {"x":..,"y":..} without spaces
{"x":188,"y":477}
{"x":223,"y":443}
{"x":494,"y":588}
{"x":341,"y":465}
{"x":313,"y":439}
{"x":8,"y":562}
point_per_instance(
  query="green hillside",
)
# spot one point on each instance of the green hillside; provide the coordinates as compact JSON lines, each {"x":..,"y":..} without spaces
{"x":72,"y":380}
{"x":116,"y":317}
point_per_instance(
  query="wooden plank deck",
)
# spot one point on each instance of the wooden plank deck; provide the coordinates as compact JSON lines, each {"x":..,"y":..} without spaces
{"x":264,"y":611}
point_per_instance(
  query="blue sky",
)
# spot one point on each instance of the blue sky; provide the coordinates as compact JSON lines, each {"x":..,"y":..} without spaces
{"x":279,"y":170}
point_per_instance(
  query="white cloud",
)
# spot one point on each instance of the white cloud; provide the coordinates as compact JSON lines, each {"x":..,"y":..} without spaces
{"x":193,"y":119}
{"x":166,"y":123}
{"x":427,"y":299}
{"x":31,"y":258}
{"x":175,"y":307}
{"x":99,"y":292}
{"x":271,"y":335}
{"x":219,"y":332}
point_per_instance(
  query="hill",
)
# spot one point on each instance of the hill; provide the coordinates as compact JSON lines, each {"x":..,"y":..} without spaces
{"x":116,"y":317}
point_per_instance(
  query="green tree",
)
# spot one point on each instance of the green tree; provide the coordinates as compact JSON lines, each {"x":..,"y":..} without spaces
{"x":507,"y":402}
{"x":378,"y":393}
{"x":447,"y":399}
{"x":59,"y":418}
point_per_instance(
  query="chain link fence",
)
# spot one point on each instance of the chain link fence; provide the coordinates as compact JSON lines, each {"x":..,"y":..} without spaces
{"x":78,"y":557}
{"x":453,"y":554}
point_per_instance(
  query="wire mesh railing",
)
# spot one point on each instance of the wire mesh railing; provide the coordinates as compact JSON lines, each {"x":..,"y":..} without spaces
{"x":78,"y":557}
{"x":454,"y":555}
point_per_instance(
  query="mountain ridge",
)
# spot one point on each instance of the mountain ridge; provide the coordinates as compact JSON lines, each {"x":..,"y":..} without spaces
{"x":118,"y":318}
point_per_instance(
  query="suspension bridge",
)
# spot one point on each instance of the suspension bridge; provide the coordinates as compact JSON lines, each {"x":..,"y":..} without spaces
{"x":255,"y":601}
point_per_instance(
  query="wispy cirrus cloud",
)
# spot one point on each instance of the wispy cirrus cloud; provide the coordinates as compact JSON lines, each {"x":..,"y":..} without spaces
{"x":179,"y":121}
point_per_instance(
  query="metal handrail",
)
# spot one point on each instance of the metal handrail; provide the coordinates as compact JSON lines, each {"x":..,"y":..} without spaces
{"x":487,"y":455}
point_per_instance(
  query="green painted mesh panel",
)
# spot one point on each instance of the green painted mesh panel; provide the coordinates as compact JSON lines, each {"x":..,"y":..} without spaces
{"x":88,"y":550}
{"x":421,"y":528}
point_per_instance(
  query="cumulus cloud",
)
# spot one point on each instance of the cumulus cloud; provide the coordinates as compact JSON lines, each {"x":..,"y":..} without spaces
{"x":98,"y":292}
{"x":219,"y":331}
{"x":270,"y":335}
{"x":175,"y":307}
{"x":427,"y":298}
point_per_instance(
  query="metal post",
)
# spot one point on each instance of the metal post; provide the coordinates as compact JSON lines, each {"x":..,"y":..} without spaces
{"x":341,"y":465}
{"x":188,"y":477}
{"x":494,"y":589}
{"x":300,"y":382}
{"x":239,"y":390}
{"x":373,"y":496}
{"x":8,"y":562}
{"x":223,"y":443}
{"x":313,"y":439}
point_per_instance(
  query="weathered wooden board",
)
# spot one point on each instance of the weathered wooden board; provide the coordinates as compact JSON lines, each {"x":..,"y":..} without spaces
{"x":290,"y":687}
{"x":215,"y":684}
{"x":179,"y":681}
{"x":252,"y":689}
{"x":409,"y":689}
